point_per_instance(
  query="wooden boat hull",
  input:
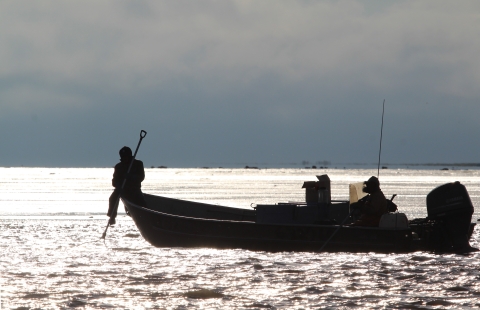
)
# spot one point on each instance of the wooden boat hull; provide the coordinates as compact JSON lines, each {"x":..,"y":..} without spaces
{"x":230,"y":228}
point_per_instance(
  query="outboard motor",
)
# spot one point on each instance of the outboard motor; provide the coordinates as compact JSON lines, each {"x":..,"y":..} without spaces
{"x":450,"y":207}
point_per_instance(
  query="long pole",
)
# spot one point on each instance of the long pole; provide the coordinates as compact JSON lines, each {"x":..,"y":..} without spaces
{"x":381,"y":136}
{"x":378,"y":174}
{"x":143,"y":133}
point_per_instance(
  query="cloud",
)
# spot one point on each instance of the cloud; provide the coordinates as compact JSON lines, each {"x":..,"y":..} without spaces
{"x":248,"y":67}
{"x":123,"y":44}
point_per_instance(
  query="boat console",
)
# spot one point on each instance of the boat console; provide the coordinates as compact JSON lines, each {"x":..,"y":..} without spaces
{"x":318,"y":207}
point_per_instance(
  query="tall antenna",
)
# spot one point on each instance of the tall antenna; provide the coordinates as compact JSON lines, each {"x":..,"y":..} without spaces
{"x":381,"y":136}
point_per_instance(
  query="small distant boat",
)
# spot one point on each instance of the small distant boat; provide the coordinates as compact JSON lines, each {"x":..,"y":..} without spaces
{"x":310,"y":227}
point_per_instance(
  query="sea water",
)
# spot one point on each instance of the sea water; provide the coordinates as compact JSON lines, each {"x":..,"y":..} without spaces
{"x":52,"y":257}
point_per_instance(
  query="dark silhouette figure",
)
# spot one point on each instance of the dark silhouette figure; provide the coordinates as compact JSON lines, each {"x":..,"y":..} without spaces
{"x":371,"y":207}
{"x":127,"y":185}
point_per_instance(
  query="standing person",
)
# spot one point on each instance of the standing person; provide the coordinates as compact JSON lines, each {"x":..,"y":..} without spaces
{"x":133,"y":182}
{"x":373,"y":206}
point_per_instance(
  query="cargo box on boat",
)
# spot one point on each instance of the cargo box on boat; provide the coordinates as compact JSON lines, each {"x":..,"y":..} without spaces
{"x":318,"y":191}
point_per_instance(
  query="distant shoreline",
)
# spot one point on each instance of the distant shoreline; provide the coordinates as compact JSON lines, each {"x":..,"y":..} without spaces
{"x":444,"y":166}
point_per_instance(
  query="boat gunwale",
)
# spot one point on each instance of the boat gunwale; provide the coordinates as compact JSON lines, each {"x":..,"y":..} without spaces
{"x":147,"y":209}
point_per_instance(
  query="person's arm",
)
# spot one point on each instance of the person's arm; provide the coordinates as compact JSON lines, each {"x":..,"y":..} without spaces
{"x":370,"y":206}
{"x":376,"y":204}
{"x":137,"y":173}
{"x":141,"y":171}
{"x":115,"y":178}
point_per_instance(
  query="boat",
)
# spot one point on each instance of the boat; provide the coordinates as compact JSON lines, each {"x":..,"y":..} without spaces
{"x":316,"y":225}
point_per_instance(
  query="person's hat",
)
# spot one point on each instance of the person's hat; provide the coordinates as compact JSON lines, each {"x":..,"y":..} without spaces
{"x":125,"y":152}
{"x":373,"y":180}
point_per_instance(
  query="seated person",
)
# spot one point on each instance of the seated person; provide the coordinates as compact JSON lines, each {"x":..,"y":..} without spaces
{"x":371,"y":207}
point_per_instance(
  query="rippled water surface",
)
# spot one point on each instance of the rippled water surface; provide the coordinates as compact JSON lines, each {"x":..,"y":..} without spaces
{"x":52,"y":257}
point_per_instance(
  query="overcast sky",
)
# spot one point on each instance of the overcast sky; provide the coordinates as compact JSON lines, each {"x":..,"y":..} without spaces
{"x":233,"y":83}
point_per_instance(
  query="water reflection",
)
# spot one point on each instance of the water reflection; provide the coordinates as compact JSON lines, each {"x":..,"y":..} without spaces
{"x":60,"y":261}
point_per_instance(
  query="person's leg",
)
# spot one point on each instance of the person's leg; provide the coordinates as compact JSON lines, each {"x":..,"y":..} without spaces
{"x":113,"y":206}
